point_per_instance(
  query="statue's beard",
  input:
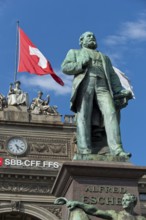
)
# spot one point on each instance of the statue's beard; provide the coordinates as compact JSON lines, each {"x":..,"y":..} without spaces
{"x":91,"y":45}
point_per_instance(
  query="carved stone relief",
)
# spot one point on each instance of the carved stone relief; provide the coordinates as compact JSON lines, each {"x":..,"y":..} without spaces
{"x":42,"y":146}
{"x":54,"y":210}
{"x":30,"y":188}
{"x":2,"y":144}
{"x":49,"y":148}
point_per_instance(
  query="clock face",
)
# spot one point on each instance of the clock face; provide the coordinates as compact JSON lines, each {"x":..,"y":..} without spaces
{"x":17,"y":146}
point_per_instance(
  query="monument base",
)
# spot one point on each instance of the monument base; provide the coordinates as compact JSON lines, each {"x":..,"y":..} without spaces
{"x":101,"y":184}
{"x":98,"y":157}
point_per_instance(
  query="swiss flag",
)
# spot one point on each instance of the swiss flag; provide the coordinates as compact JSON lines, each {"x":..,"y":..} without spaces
{"x":32,"y":60}
{"x":1,"y":161}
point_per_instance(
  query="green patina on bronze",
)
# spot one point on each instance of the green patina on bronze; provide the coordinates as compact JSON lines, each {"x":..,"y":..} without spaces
{"x":94,"y":87}
{"x":80,"y":211}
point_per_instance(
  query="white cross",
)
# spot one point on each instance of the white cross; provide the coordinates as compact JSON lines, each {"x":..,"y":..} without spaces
{"x":42,"y":60}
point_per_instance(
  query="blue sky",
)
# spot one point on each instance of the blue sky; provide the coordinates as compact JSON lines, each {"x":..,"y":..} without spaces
{"x":55,"y":26}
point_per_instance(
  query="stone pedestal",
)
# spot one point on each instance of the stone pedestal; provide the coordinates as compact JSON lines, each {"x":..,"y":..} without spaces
{"x":22,"y":114}
{"x":101,"y":184}
{"x":45,"y":118}
{"x":15,"y":113}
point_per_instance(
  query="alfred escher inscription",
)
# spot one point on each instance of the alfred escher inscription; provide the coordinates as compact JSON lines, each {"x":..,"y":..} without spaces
{"x":102,"y":195}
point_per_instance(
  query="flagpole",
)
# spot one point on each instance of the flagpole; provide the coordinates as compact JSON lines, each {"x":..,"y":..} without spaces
{"x":16,"y":53}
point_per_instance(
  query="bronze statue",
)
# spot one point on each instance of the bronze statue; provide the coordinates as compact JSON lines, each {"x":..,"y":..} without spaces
{"x":94,"y":87}
{"x":79,"y":209}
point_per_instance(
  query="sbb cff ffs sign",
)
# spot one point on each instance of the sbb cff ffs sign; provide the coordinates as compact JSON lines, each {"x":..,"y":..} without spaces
{"x":29,"y":163}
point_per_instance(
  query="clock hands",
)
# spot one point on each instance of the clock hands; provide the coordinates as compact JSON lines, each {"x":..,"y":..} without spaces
{"x":18,"y":147}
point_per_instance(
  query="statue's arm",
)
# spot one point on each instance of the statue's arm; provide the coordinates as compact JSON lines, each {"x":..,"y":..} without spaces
{"x":90,"y":210}
{"x":115,"y":81}
{"x":11,"y":91}
{"x":70,"y":65}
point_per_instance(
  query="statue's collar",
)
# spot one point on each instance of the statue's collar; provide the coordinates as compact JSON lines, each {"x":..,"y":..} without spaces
{"x":88,"y":49}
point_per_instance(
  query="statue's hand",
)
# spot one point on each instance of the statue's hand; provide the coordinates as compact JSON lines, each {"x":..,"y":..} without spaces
{"x":60,"y":201}
{"x":86,"y":61}
{"x":123,"y":93}
{"x":71,"y":205}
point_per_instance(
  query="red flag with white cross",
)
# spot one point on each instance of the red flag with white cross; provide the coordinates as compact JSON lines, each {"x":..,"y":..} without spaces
{"x":32,"y":60}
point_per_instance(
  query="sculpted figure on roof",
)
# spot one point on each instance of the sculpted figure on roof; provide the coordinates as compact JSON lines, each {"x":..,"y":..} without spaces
{"x":41,"y":106}
{"x":16,"y":96}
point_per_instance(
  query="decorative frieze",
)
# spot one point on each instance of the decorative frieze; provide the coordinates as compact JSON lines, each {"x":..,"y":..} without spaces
{"x":49,"y":148}
{"x":30,"y":188}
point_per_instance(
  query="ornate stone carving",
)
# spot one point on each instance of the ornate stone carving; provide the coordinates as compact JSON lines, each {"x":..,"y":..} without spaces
{"x":3,"y":102}
{"x":16,"y":205}
{"x":39,"y":148}
{"x":16,"y":187}
{"x":49,"y":147}
{"x":55,"y":210}
{"x":40,"y":106}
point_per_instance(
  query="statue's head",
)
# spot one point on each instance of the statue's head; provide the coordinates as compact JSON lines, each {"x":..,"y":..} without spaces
{"x":129,"y":201}
{"x":40,"y":93}
{"x":17,"y":83}
{"x":88,"y":40}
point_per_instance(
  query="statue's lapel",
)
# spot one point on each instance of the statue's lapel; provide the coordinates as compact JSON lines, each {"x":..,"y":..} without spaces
{"x":104,"y":64}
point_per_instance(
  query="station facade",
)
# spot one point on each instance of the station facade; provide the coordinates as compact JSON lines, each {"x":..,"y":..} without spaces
{"x":32,"y":150}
